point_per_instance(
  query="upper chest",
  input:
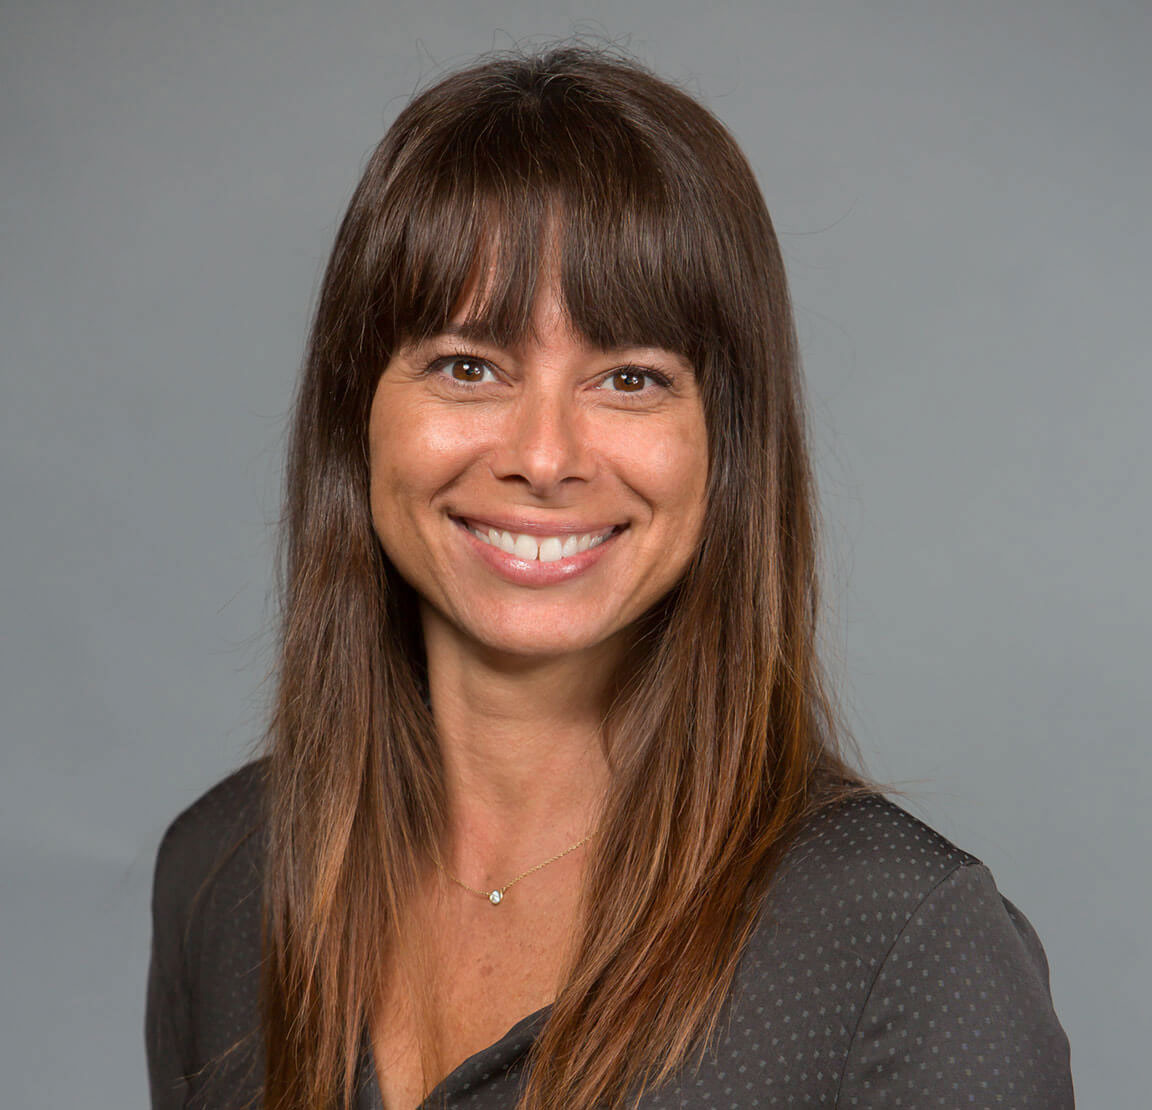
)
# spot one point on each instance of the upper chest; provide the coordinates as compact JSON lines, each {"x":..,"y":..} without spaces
{"x":471,"y":972}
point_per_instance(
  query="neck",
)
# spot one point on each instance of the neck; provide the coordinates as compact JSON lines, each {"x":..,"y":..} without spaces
{"x":522,"y":745}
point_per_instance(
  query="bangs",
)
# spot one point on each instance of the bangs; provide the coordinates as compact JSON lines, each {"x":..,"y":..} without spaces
{"x":529,"y":186}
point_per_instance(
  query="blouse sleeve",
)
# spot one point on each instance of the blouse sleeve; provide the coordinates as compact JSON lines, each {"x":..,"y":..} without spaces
{"x":166,"y":1021}
{"x":960,"y":1013}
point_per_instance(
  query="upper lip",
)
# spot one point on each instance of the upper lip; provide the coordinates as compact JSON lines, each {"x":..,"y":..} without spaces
{"x":533,"y":527}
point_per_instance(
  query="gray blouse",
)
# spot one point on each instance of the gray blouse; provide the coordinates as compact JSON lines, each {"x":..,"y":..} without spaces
{"x":886,"y":971}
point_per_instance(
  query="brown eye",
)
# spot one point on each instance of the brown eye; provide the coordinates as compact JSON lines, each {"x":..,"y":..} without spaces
{"x":467,"y":369}
{"x":628,"y":381}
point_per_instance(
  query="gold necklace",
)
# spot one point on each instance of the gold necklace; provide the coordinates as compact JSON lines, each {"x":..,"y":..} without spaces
{"x":497,"y":896}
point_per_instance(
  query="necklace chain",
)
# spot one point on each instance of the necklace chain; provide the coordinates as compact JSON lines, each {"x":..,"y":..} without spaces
{"x":497,"y":896}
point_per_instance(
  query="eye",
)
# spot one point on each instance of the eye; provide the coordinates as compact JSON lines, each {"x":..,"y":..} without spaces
{"x":466,"y":369}
{"x":631,"y":379}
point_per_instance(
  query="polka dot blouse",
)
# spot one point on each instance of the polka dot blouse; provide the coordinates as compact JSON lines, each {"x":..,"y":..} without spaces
{"x":887,"y":971}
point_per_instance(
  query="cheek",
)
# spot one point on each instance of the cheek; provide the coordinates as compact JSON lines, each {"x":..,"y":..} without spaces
{"x":675,"y":469}
{"x":394,"y":443}
{"x":414,"y":451}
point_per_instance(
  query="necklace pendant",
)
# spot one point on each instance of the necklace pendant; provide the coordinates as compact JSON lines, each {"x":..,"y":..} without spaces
{"x":495,"y":897}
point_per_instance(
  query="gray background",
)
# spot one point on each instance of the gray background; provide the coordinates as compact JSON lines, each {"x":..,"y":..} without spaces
{"x":961,"y":190}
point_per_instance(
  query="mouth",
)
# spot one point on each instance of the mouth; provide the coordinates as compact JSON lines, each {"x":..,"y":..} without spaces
{"x":538,"y":547}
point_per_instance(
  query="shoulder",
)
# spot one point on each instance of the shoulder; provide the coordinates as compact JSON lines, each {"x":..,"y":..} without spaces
{"x":865,"y":846}
{"x":849,"y":883}
{"x":872,"y":867}
{"x":210,"y":841}
{"x":205,"y":825}
{"x":920,"y":972}
{"x":958,"y":994}
{"x":866,"y":874}
{"x":202,"y":1020}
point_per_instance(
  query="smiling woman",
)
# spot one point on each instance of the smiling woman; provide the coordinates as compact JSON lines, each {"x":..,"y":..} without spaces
{"x":539,"y":498}
{"x":553,"y":811}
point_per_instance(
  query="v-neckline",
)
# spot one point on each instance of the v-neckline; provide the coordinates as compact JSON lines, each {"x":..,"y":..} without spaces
{"x":502,"y":1053}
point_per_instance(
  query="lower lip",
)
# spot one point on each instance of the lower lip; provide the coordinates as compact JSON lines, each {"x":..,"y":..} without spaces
{"x":532,"y":572}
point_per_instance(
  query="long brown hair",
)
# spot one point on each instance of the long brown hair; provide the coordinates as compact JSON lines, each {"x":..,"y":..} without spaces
{"x":723,"y":738}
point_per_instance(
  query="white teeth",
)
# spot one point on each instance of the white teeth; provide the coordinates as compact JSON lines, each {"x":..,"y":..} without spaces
{"x":526,"y":547}
{"x":548,"y":549}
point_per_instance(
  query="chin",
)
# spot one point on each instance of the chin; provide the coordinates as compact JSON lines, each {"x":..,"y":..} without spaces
{"x":537,"y":643}
{"x":525,"y":631}
{"x":543,"y":636}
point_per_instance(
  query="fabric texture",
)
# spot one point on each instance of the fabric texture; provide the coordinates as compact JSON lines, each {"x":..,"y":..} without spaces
{"x":886,"y":971}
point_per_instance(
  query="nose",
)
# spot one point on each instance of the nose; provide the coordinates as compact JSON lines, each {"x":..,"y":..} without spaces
{"x":546,"y":443}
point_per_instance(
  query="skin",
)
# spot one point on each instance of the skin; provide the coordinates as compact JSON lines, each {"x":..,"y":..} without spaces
{"x":551,"y":437}
{"x":548,"y":439}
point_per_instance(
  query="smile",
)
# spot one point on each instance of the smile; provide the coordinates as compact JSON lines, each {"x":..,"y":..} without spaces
{"x":545,"y":549}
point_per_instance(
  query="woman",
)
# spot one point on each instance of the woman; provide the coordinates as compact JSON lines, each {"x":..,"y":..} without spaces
{"x":552,"y":813}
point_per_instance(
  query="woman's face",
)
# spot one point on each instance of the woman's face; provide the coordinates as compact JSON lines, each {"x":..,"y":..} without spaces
{"x":539,"y":498}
